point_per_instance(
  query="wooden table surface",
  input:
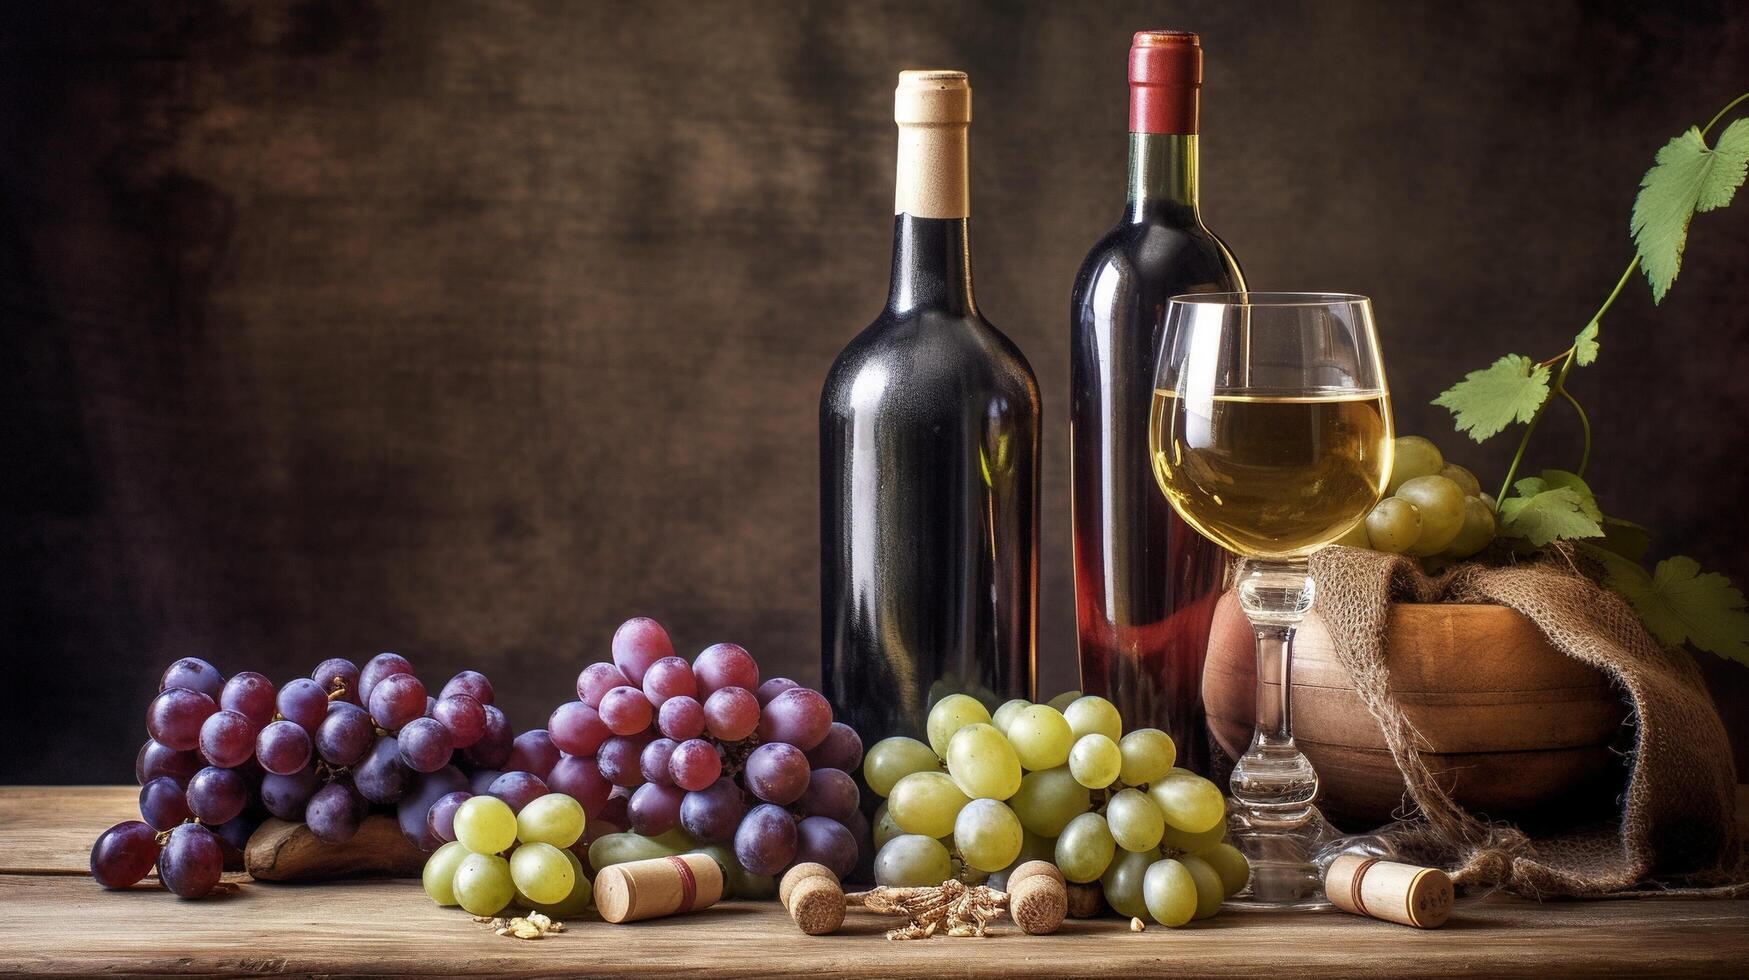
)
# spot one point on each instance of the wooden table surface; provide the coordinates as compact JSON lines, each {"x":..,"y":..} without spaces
{"x":57,"y":921}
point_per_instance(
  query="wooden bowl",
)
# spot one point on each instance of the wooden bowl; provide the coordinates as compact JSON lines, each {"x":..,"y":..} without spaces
{"x":1513,"y":728}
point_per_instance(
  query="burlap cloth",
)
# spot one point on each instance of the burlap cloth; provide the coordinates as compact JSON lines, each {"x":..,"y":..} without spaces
{"x":1677,"y":830}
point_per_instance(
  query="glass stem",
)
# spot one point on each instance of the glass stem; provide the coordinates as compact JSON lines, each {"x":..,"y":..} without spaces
{"x":1274,"y":779}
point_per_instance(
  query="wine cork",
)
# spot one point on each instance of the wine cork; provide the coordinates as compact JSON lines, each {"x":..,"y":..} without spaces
{"x":657,"y":887}
{"x":1404,"y":893}
{"x":798,"y":874}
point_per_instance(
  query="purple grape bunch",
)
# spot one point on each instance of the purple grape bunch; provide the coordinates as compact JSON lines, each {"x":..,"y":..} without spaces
{"x":328,"y":750}
{"x":755,"y":769}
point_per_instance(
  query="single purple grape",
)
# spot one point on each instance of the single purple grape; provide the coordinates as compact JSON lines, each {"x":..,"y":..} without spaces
{"x":378,"y":667}
{"x":765,"y":843}
{"x":711,"y":815}
{"x":576,"y":728}
{"x":283,"y":747}
{"x":597,"y":679}
{"x":157,"y":759}
{"x":518,"y":789}
{"x":227,"y":738}
{"x":303,"y":702}
{"x":381,"y":776}
{"x":826,"y":842}
{"x":471,"y":683}
{"x":798,"y":716}
{"x":637,"y":644}
{"x":618,"y":758}
{"x":425,"y":745}
{"x":463,"y":715}
{"x":670,"y":677}
{"x":440,"y":819}
{"x":194,"y":674}
{"x":286,"y":796}
{"x":191,"y":861}
{"x":345,"y":735}
{"x":580,"y":778}
{"x":625,"y":711}
{"x":655,"y":809}
{"x":338,"y":674}
{"x":776,"y":772}
{"x":163,"y":803}
{"x":681,"y":718}
{"x":396,"y":700}
{"x":533,"y":751}
{"x":731,"y":714}
{"x":216,"y":795}
{"x":335,"y":813}
{"x":175,"y":716}
{"x":695,"y":764}
{"x":840,"y":749}
{"x":831,"y":793}
{"x":250,"y":694}
{"x":772,"y":688}
{"x":653,"y":761}
{"x":124,"y":854}
{"x":723,"y":665}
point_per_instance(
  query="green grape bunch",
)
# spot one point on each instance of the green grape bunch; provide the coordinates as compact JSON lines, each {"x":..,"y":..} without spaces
{"x":1060,"y":782}
{"x":1432,"y":509}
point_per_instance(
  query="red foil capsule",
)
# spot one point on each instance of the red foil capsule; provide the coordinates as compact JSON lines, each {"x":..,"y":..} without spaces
{"x":1165,"y":81}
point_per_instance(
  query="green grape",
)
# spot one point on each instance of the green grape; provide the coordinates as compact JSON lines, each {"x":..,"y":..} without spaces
{"x":1006,"y":714}
{"x":1047,"y":800}
{"x":885,"y":827}
{"x":1136,"y":823}
{"x":1188,"y":801}
{"x":1478,"y":530}
{"x":951,"y":714}
{"x":738,"y":881}
{"x":554,"y":819}
{"x":623,"y":847}
{"x":987,"y":834}
{"x":482,"y":883}
{"x":541,"y":872}
{"x":1184,"y":842}
{"x":1041,"y":737}
{"x":1095,"y":761}
{"x":1085,"y":848}
{"x":676,"y":840}
{"x":439,"y":874}
{"x":1393,"y":525}
{"x":486,"y":825}
{"x":1231,"y":865}
{"x":1170,"y":893}
{"x":892,"y":759}
{"x":982,"y":762}
{"x":1062,"y":701}
{"x":1441,"y":504}
{"x":1148,"y":754}
{"x":926,"y":803}
{"x":1210,"y":889}
{"x":582,"y":890}
{"x":1412,"y":456}
{"x":1092,"y":715}
{"x":912,"y":861}
{"x":1465,"y":480}
{"x":1122,"y":882}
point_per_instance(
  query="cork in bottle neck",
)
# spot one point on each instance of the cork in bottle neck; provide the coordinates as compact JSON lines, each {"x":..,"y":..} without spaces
{"x":932,"y":109}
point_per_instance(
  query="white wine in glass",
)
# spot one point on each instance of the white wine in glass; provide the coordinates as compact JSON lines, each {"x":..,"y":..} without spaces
{"x":1271,"y":435}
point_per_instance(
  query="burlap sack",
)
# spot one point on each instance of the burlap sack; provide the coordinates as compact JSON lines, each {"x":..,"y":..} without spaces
{"x":1677,"y":829}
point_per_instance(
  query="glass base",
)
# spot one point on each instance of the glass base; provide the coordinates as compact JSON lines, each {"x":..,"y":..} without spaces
{"x":1288,"y":851}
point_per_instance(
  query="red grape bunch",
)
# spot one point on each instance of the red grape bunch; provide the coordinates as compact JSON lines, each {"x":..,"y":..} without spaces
{"x":704,"y":755}
{"x":325,"y":750}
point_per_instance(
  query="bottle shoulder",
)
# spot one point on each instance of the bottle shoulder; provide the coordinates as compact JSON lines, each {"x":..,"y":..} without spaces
{"x":897,"y":355}
{"x":1154,"y":255}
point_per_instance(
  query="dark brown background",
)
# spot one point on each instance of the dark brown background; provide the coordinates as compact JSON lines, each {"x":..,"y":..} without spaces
{"x":469,"y":330}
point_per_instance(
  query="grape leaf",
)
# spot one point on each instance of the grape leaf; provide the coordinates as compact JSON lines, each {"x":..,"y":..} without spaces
{"x":1562,"y":478}
{"x":1487,"y":401}
{"x":1585,"y":345}
{"x":1678,"y":603}
{"x":1625,"y":538}
{"x":1686,"y":177}
{"x":1541,"y":514}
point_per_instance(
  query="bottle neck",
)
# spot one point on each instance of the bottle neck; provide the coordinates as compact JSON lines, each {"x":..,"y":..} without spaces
{"x":932,"y":266}
{"x":1163,"y":177}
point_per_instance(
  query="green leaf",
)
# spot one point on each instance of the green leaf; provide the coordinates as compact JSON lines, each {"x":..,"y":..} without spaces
{"x":1585,"y":345}
{"x":1686,"y":177}
{"x":1541,"y":515}
{"x":1562,"y":478}
{"x":1625,"y":538}
{"x":1678,"y":603}
{"x":1487,"y":401}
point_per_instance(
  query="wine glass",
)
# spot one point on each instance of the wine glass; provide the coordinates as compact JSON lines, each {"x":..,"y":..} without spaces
{"x":1271,"y":435}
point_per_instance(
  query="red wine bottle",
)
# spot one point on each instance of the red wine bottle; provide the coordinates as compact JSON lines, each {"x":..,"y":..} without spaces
{"x":1145,"y":582}
{"x":929,"y":480}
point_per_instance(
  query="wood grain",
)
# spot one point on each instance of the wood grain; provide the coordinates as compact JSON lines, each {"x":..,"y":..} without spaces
{"x":283,"y":851}
{"x":65,"y":925}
